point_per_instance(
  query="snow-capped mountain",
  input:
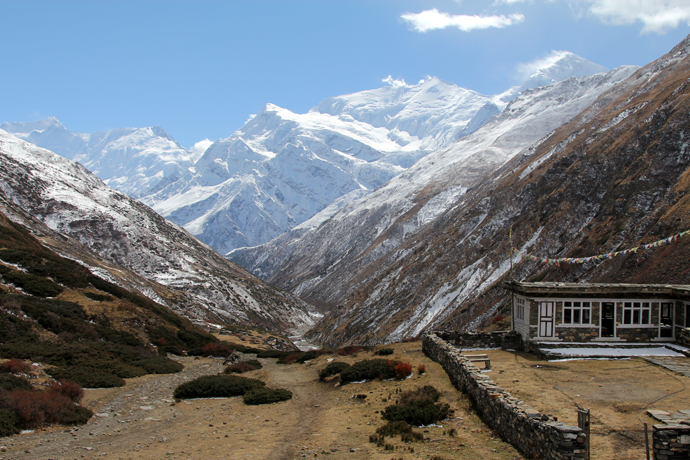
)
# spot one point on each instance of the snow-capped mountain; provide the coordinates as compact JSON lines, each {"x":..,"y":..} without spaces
{"x":559,"y":66}
{"x":135,"y":161}
{"x":328,"y":262}
{"x":282,"y":168}
{"x":124,"y":232}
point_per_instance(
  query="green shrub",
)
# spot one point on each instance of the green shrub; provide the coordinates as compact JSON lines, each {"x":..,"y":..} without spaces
{"x":273,"y":354}
{"x":87,"y":377}
{"x":333,"y":369}
{"x":32,"y":284}
{"x":307,"y":356}
{"x":418,"y":407}
{"x":385,"y":352}
{"x":98,"y":297}
{"x":158,"y":365}
{"x":370,"y":369}
{"x":216,"y":386}
{"x":9,"y":382}
{"x":9,"y":423}
{"x":407,"y":434}
{"x":266,"y":396}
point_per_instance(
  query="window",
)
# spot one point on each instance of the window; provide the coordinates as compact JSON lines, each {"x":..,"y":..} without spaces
{"x":576,"y":312}
{"x":520,"y":308}
{"x":636,"y":313}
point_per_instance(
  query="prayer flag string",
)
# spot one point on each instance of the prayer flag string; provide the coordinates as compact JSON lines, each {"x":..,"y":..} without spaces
{"x":601,"y":257}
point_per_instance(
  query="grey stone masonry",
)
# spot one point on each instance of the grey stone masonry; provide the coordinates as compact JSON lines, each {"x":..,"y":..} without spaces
{"x":529,"y":431}
{"x":671,"y":441}
{"x":484,"y":340}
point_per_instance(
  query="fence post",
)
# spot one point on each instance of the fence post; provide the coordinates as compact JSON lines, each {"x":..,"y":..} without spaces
{"x":583,"y":417}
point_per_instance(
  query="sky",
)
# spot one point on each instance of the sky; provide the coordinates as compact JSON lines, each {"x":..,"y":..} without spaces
{"x":201,"y":68}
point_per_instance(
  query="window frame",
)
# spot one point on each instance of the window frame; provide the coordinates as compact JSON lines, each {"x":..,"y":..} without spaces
{"x":576,"y":313}
{"x":636,"y":312}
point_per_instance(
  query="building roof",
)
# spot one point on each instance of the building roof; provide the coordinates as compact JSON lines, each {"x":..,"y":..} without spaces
{"x":627,"y":290}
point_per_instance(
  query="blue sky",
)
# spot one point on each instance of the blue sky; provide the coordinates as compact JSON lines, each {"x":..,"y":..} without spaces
{"x":200,"y":68}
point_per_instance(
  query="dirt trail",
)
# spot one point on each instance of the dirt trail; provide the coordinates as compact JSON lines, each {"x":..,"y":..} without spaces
{"x":142,"y":421}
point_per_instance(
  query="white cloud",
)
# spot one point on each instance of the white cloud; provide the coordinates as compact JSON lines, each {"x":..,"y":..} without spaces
{"x":434,"y":19}
{"x":656,"y":16}
{"x":527,"y":69}
{"x":199,"y":148}
{"x":391,"y":81}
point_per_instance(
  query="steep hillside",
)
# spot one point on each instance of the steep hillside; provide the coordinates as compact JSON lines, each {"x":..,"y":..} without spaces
{"x":615,"y":177}
{"x":56,"y":311}
{"x":125,"y":233}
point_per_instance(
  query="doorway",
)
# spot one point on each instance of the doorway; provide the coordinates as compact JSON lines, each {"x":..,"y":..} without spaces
{"x":547,"y":313}
{"x":608,"y":319}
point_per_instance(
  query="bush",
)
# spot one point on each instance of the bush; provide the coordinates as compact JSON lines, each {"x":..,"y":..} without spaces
{"x":87,"y":377}
{"x":266,"y":396}
{"x":402,"y":371}
{"x":385,"y":352}
{"x":333,"y":369}
{"x":349,"y":350}
{"x":70,"y":389}
{"x":239,"y":368}
{"x":98,"y":297}
{"x":216,"y":386}
{"x":421,"y":369}
{"x":418,"y":407}
{"x":217,"y":350}
{"x":32,"y":284}
{"x":34,"y":409}
{"x":9,"y":423}
{"x":9,"y":382}
{"x":407,"y":434}
{"x":370,"y":369}
{"x":273,"y":354}
{"x":158,"y":365}
{"x":14,"y":366}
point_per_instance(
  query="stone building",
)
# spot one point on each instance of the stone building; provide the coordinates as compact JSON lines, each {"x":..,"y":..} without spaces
{"x":584,"y":312}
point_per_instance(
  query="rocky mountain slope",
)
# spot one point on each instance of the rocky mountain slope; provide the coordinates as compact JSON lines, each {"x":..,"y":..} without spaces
{"x":319,"y":260}
{"x":69,"y":200}
{"x":614,"y":177}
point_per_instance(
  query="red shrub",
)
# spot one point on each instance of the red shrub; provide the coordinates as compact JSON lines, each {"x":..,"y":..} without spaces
{"x":402,"y":370}
{"x":38,"y":408}
{"x":70,"y":389}
{"x":421,"y":369}
{"x":349,"y":350}
{"x":216,"y":349}
{"x":291,"y":358}
{"x":498,"y":318}
{"x":14,"y":366}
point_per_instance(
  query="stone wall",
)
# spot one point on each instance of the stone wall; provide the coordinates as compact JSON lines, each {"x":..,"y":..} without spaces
{"x":671,"y":442}
{"x":529,"y":431}
{"x":485,"y":340}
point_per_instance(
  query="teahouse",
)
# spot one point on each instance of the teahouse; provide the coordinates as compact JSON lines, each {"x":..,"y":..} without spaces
{"x":584,"y":312}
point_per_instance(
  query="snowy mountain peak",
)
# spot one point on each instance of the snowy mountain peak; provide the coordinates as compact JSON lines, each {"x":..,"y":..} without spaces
{"x":25,"y":128}
{"x":558,"y":66}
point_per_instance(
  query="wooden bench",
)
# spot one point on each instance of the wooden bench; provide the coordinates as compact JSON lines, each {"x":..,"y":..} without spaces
{"x":480,"y":359}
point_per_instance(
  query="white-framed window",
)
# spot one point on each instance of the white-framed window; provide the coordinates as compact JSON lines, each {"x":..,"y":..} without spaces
{"x":637,"y":313}
{"x":577,"y":312}
{"x":520,"y":308}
